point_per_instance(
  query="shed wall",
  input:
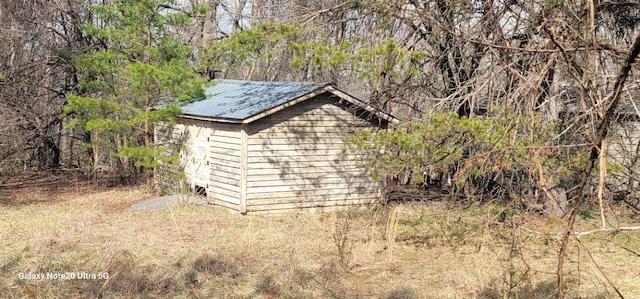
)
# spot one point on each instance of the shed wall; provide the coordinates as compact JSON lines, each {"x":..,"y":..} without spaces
{"x":622,"y":150}
{"x":194,"y":156}
{"x":225,"y":164}
{"x":210,"y":158}
{"x":298,"y":158}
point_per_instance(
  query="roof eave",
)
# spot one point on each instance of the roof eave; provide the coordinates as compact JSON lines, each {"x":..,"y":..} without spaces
{"x":206,"y":118}
{"x":381,"y":114}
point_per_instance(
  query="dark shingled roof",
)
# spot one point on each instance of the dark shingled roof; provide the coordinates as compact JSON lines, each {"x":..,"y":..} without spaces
{"x":239,"y":100}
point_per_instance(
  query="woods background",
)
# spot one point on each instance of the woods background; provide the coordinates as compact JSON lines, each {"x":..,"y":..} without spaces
{"x":532,"y":104}
{"x":557,"y":79}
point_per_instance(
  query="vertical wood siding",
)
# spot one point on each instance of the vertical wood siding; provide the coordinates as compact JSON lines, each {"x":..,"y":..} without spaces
{"x":298,"y":158}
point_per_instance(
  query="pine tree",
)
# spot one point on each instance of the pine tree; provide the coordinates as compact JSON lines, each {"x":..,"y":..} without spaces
{"x":141,"y":63}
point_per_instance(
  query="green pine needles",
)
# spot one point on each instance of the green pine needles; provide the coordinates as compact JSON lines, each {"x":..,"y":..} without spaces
{"x":504,"y":151}
{"x":141,"y":64}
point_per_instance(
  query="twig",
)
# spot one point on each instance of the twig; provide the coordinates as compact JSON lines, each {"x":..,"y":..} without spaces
{"x":604,"y":274}
{"x":608,"y":230}
{"x":603,"y":129}
{"x":601,"y":178}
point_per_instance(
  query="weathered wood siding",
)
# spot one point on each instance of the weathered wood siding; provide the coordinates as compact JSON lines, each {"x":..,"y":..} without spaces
{"x":622,"y":149}
{"x":209,"y":156}
{"x":194,"y":156}
{"x":225,"y":148}
{"x":297,"y":158}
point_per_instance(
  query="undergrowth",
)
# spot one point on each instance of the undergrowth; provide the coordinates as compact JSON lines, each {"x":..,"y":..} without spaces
{"x":422,"y":250}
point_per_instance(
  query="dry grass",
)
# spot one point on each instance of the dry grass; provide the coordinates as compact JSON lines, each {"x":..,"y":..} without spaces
{"x":194,"y":251}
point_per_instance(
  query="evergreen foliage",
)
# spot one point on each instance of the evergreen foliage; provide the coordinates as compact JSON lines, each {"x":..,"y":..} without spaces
{"x":141,"y":64}
{"x":502,"y":152}
{"x":312,"y":57}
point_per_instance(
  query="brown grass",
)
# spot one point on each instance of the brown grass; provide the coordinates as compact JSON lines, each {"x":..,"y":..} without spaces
{"x":438,"y":251}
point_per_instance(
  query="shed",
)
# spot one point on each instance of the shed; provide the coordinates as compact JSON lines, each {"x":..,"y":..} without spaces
{"x":271,"y":146}
{"x":623,"y":146}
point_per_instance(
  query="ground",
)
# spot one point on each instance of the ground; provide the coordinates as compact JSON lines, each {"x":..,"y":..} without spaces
{"x":78,"y":233}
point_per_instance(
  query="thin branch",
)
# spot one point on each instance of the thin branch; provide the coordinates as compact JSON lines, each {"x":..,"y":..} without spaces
{"x":603,"y":130}
{"x":606,"y":277}
{"x":624,"y":248}
{"x":608,"y":230}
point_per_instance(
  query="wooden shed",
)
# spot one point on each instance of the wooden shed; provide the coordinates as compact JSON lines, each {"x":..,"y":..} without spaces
{"x":623,"y":146}
{"x":271,"y":146}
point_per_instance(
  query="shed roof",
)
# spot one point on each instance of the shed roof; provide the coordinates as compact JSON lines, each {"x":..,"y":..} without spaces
{"x":246,"y":101}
